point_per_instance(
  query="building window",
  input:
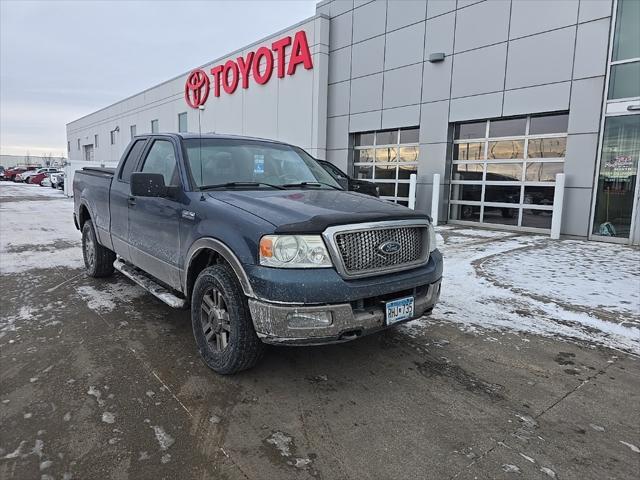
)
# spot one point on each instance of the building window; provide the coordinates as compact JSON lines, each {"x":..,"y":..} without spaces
{"x":95,"y":140}
{"x":503,"y":170}
{"x":132,"y":130}
{"x":182,"y":122}
{"x":78,"y":144}
{"x":387,"y":157}
{"x":625,"y":56}
{"x":154,"y":126}
{"x":113,"y":137}
{"x":68,"y":146}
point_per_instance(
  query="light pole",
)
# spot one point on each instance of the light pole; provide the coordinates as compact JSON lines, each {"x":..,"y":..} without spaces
{"x":200,"y":110}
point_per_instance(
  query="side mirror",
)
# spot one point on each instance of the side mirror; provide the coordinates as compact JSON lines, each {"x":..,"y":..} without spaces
{"x":148,"y":185}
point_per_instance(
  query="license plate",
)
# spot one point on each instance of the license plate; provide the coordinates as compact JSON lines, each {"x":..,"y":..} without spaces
{"x":398,"y":310}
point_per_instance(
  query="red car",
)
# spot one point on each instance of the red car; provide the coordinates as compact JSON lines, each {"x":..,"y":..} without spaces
{"x":11,"y":173}
{"x":36,"y":179}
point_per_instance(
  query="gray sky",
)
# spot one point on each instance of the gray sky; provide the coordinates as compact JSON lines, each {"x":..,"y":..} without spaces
{"x":60,"y":60}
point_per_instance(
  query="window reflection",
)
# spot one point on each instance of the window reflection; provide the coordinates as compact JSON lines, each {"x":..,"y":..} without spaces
{"x":365,"y":155}
{"x":506,"y":172}
{"x":506,"y":149}
{"x":468,"y":151}
{"x":467,"y":171}
{"x":384,"y":155}
{"x":507,"y":128}
{"x":547,"y":147}
{"x":543,"y":171}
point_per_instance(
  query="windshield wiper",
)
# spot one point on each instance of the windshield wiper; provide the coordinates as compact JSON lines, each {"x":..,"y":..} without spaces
{"x":239,"y":184}
{"x":311,"y":184}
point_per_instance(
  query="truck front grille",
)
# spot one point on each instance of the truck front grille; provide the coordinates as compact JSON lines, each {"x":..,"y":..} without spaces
{"x":361,"y":252}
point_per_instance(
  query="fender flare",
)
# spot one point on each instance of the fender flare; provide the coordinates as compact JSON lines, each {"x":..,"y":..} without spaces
{"x":225,"y":252}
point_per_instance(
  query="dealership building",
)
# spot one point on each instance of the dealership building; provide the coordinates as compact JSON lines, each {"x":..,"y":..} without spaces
{"x":496,"y":97}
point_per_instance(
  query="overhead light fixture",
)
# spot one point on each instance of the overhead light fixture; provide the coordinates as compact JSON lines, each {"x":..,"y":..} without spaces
{"x":436,"y":57}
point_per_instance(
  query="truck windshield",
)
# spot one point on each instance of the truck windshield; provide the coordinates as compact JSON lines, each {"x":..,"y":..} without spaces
{"x":224,"y":162}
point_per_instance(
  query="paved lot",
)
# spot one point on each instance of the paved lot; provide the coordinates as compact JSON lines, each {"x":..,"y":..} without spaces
{"x":100,"y":380}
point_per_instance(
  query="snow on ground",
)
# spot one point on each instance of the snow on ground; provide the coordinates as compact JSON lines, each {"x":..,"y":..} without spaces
{"x":579,"y":290}
{"x":36,"y":233}
{"x":14,"y":190}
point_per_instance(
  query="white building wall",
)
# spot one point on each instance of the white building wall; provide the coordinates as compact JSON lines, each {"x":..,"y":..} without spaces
{"x":291,"y":109}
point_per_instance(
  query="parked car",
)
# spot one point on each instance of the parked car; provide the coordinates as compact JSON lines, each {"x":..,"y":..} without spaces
{"x":57,"y":180}
{"x":350,"y":183}
{"x":45,"y":182}
{"x":11,"y":173}
{"x":1,"y":172}
{"x":259,"y":240}
{"x":37,"y":178}
{"x":26,"y":176}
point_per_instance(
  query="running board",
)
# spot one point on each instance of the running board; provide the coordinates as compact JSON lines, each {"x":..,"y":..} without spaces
{"x":157,"y":290}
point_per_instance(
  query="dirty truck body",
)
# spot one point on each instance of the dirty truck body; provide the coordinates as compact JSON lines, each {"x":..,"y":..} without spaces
{"x":258,"y":240}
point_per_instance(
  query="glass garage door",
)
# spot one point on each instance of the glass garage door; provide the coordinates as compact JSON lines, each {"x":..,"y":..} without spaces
{"x":387,"y":157}
{"x":503,"y":171}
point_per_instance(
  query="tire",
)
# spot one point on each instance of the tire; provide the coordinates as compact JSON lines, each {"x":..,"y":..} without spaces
{"x":98,"y":260}
{"x":229,"y":312}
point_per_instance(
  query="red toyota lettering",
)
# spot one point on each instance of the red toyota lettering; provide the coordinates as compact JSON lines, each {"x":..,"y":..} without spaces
{"x":262,"y":78}
{"x":245,"y":66}
{"x":230,"y":67}
{"x":215,"y":71}
{"x":299,"y":53}
{"x":279,"y":47}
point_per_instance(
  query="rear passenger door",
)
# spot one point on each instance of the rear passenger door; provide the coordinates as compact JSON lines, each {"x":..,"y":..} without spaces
{"x":119,"y":200}
{"x":154,"y":222}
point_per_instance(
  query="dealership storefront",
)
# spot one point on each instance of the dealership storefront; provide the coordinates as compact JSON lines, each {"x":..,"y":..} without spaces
{"x":494,"y":96}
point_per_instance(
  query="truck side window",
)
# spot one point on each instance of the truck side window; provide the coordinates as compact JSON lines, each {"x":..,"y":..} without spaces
{"x":131,"y":160}
{"x":162,"y":159}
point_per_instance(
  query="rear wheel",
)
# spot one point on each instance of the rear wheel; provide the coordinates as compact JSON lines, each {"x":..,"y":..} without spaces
{"x":98,"y":260}
{"x":221,"y":321}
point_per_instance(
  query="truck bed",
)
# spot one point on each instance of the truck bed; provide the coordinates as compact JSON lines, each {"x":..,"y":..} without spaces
{"x":100,"y":170}
{"x":92,"y":185}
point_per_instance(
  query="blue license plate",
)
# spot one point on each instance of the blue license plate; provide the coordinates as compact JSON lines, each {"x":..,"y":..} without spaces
{"x":398,"y":310}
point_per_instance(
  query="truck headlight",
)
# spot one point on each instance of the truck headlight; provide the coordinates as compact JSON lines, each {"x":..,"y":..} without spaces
{"x":294,"y":251}
{"x":432,"y":238}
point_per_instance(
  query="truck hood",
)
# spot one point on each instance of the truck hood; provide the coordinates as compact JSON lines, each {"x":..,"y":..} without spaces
{"x":312,"y":211}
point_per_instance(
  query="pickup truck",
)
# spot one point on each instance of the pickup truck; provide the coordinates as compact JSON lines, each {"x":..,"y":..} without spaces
{"x":258,"y":240}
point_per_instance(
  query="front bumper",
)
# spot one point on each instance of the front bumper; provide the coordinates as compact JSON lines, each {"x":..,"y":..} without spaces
{"x":350,"y":320}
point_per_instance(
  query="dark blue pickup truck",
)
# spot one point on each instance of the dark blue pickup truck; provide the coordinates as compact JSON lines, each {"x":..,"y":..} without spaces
{"x":259,"y":240}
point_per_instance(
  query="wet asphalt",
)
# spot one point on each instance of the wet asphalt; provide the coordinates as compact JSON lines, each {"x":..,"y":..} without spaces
{"x":99,"y":380}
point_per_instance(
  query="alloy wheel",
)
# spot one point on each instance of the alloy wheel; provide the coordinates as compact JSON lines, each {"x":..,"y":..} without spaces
{"x":214,"y":319}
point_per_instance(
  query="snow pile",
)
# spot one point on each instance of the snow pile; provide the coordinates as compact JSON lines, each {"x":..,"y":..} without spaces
{"x":579,"y":290}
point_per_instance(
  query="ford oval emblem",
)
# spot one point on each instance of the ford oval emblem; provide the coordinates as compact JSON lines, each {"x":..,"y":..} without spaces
{"x":390,"y":247}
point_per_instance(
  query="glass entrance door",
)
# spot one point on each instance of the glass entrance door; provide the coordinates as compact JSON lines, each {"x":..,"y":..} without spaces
{"x":617,"y":191}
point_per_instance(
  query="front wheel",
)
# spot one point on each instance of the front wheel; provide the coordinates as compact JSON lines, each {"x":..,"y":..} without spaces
{"x":222,"y":324}
{"x":98,"y":260}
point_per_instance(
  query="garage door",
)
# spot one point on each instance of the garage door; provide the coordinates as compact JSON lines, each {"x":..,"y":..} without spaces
{"x":503,"y":171}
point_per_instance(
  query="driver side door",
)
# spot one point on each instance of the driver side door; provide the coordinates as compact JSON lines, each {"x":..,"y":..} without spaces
{"x":154,"y":222}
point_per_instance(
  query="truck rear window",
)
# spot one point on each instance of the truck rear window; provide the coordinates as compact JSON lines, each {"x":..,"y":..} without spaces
{"x":131,"y":161}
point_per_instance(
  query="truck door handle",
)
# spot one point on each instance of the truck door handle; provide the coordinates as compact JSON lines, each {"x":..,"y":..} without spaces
{"x":131,"y":201}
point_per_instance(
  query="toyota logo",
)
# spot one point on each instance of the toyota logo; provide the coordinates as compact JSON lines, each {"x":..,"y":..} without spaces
{"x":390,"y":247}
{"x":196,"y":89}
